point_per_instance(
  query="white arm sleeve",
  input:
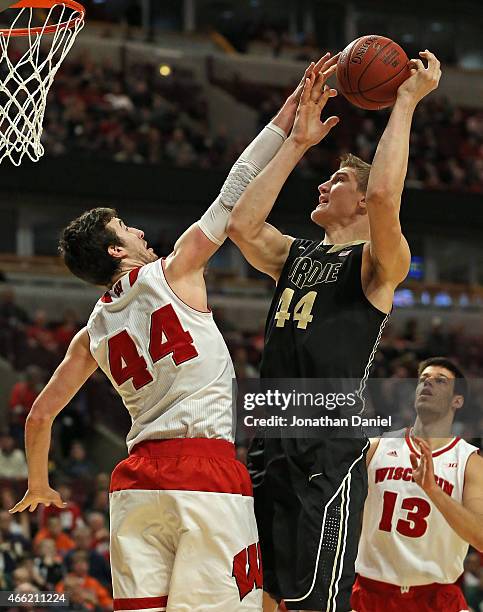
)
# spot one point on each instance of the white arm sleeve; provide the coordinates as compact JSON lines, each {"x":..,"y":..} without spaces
{"x":250,"y":163}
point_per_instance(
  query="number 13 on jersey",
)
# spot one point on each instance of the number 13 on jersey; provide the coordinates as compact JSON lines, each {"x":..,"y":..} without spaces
{"x":166,"y":337}
{"x":302,"y":312}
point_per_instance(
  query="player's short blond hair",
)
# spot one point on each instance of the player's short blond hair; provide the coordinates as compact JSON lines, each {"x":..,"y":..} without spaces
{"x":361,"y":168}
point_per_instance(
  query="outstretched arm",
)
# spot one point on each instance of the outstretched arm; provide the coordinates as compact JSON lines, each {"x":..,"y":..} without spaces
{"x":200,"y":241}
{"x":389,"y":249}
{"x":466,"y":518}
{"x":72,"y":373}
{"x":262,"y":244}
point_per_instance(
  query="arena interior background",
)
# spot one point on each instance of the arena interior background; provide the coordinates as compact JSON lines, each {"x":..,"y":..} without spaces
{"x":149,"y":110}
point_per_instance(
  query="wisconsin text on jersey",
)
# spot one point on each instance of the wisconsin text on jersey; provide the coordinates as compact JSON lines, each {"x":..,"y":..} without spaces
{"x":406,"y":474}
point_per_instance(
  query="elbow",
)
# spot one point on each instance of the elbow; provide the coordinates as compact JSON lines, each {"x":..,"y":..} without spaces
{"x":39,"y":416}
{"x":382,"y":197}
{"x":378,"y":195}
{"x":233,"y":227}
{"x":236,"y":229}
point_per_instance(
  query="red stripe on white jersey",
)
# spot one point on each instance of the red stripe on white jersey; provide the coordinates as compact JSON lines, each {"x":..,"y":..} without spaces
{"x":437,"y":452}
{"x":133,"y":276}
{"x":141,"y":603}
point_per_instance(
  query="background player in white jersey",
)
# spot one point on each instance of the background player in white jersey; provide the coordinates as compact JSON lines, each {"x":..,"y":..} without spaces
{"x":424,"y":507}
{"x":183,"y":531}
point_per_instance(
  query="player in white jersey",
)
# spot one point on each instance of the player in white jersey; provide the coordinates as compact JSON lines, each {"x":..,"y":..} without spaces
{"x":183,"y":531}
{"x":424,"y":506}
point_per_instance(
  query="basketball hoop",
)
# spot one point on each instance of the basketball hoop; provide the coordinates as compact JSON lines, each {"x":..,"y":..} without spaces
{"x":26,"y":76}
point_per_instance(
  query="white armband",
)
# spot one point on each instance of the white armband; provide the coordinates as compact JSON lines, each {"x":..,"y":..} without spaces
{"x":250,"y":163}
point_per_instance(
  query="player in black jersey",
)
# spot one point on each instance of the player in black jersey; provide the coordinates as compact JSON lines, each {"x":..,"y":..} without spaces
{"x":332,"y":300}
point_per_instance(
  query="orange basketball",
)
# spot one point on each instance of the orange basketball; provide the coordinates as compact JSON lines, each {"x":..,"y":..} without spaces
{"x":370,"y":70}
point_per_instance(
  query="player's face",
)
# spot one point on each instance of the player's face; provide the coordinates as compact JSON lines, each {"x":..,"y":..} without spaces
{"x":435,"y":391}
{"x":339,"y":199}
{"x":134,"y":248}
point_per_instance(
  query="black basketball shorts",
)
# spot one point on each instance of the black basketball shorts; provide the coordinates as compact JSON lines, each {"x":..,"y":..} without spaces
{"x":309,"y":497}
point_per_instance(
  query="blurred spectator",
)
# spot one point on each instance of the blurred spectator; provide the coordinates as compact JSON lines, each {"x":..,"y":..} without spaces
{"x":39,"y":331}
{"x":178,"y":150}
{"x":472,"y":580}
{"x":98,"y":565}
{"x":243,"y":368}
{"x":100,"y":504}
{"x":53,"y":531}
{"x":70,"y":516}
{"x":7,"y":566}
{"x":98,"y":524}
{"x":12,"y":460}
{"x":20,"y":576}
{"x":77,"y":465}
{"x":15,"y":543}
{"x":10,"y":312}
{"x":66,"y":330}
{"x":22,"y":396}
{"x":49,"y":565}
{"x":95,"y":593}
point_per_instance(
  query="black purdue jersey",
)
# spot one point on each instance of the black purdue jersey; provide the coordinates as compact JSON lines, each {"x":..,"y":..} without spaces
{"x":320,"y":323}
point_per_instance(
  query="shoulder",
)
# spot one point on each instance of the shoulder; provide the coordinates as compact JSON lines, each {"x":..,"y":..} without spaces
{"x":298,"y":247}
{"x":474,"y":466}
{"x":394,"y":273}
{"x":373,"y":446}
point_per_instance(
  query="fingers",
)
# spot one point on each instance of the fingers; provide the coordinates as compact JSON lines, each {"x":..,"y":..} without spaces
{"x":416,"y":64}
{"x":423,"y":445}
{"x":331,"y":121}
{"x":308,"y":72}
{"x":328,"y":63}
{"x":307,"y":90}
{"x":59,"y":504}
{"x":433,"y":61}
{"x":321,"y":98}
{"x":321,"y":62}
{"x":414,"y":461}
{"x":323,"y":76}
{"x":433,"y":71}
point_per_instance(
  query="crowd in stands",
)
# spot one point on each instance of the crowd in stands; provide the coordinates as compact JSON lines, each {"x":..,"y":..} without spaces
{"x":137,"y":116}
{"x":67,"y":549}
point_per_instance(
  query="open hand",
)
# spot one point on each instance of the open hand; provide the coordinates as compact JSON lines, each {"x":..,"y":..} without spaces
{"x":309,"y":129}
{"x":286,"y":116}
{"x":422,"y":80}
{"x":31,"y":499}
{"x":423,"y":470}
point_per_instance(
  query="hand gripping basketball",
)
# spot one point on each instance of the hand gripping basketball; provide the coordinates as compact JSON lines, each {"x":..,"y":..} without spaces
{"x":423,"y":80}
{"x":309,"y":129}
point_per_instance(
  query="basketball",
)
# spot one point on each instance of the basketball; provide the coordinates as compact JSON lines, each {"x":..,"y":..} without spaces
{"x":370,"y":70}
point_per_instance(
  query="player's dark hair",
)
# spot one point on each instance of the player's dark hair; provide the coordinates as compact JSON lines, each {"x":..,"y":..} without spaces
{"x":84,"y":246}
{"x":460,"y":384}
{"x":361,"y":168}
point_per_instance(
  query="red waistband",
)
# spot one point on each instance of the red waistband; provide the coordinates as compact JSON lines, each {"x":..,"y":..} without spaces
{"x":194,"y":447}
{"x":408,"y":591}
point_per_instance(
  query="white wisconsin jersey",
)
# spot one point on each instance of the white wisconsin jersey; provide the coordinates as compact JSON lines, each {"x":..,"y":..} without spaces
{"x":405,"y":539}
{"x":168,"y":361}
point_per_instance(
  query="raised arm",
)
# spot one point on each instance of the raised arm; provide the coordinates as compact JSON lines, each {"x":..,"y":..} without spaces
{"x":72,"y":373}
{"x":200,"y":241}
{"x":389,"y":249}
{"x":262,"y":244}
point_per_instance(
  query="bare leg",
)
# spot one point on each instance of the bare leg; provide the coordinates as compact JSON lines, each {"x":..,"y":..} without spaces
{"x":269,"y":604}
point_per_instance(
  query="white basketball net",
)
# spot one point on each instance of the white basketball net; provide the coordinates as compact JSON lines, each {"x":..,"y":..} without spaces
{"x":26,"y":77}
